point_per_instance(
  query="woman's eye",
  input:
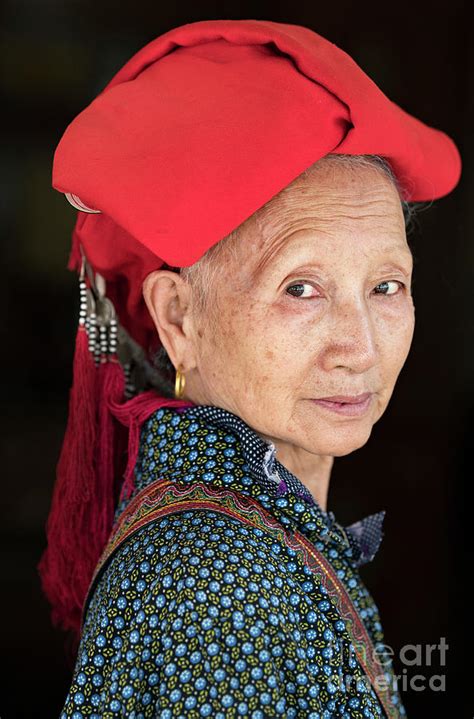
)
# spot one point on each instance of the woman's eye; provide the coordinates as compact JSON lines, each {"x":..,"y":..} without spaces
{"x":303,"y":289}
{"x":390,"y":287}
{"x":300,"y":290}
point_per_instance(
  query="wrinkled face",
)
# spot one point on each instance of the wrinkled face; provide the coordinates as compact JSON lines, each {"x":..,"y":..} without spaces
{"x":316,"y":303}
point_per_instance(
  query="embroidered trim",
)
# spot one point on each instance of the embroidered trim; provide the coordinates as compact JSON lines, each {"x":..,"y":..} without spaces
{"x":163,"y":497}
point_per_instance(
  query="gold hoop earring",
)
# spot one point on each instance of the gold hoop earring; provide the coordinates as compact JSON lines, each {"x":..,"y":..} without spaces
{"x":179,"y":384}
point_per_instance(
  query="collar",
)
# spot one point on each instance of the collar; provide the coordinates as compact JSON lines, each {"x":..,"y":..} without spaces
{"x":212,"y":444}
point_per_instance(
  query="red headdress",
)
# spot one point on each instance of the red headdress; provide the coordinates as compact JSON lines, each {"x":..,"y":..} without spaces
{"x":198,"y":130}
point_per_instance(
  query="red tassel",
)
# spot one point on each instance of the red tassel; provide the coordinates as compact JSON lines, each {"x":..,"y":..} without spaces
{"x":64,"y":567}
{"x":111,"y":380}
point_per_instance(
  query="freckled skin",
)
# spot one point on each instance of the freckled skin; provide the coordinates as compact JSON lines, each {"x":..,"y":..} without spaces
{"x":336,"y":234}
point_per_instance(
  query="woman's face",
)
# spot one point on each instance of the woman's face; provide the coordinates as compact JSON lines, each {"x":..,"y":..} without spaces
{"x":316,"y":302}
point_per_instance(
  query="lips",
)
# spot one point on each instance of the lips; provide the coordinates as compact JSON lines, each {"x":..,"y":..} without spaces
{"x":347,"y":399}
{"x":346,"y":405}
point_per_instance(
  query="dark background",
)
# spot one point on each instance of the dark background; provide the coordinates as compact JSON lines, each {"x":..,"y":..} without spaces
{"x":56,"y":56}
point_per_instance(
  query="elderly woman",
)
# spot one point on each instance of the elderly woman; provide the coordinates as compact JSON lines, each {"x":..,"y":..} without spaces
{"x":243,"y":190}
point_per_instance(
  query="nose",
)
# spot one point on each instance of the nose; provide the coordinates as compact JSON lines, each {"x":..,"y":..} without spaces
{"x":352,"y":337}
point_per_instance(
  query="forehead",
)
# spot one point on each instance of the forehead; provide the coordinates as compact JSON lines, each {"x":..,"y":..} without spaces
{"x":333,"y":203}
{"x":333,"y":192}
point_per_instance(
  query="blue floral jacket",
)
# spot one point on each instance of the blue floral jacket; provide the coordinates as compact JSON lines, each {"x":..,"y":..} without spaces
{"x":198,"y":616}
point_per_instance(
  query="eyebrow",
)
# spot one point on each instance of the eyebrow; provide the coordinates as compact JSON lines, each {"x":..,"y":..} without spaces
{"x":270,"y":252}
{"x":404,"y":257}
{"x":406,"y":251}
{"x":274,"y":251}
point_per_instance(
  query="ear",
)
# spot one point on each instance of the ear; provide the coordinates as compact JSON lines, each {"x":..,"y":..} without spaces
{"x":168,"y":299}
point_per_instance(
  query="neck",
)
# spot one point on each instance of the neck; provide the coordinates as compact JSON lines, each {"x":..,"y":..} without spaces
{"x":313,"y":470}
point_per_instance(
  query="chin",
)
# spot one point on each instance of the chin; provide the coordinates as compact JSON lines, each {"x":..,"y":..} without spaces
{"x":339,"y":443}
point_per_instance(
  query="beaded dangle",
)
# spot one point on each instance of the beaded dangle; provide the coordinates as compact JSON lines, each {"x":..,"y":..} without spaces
{"x":97,"y":314}
{"x":107,"y":338}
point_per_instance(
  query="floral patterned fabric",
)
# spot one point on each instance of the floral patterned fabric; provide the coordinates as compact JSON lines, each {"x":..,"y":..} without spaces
{"x":197,"y":615}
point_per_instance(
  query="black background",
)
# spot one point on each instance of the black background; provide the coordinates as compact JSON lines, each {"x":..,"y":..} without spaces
{"x":56,"y":56}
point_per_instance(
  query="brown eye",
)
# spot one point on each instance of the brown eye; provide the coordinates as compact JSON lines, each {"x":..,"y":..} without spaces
{"x":385,"y":287}
{"x":299,"y":287}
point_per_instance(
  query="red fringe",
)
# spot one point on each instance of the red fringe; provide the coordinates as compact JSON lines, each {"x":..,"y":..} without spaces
{"x":65,"y":565}
{"x":111,"y":387}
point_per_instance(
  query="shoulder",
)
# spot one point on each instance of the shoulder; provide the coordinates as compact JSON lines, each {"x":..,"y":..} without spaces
{"x":194,"y":553}
{"x":191,"y":604}
{"x":208,"y":577}
{"x":199,"y":570}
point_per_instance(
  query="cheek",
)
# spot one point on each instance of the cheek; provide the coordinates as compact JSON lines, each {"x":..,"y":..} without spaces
{"x":395,"y":334}
{"x":256,"y":349}
{"x":235,"y":344}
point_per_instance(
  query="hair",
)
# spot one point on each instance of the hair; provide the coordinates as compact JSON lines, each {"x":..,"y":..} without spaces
{"x":201,"y":274}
